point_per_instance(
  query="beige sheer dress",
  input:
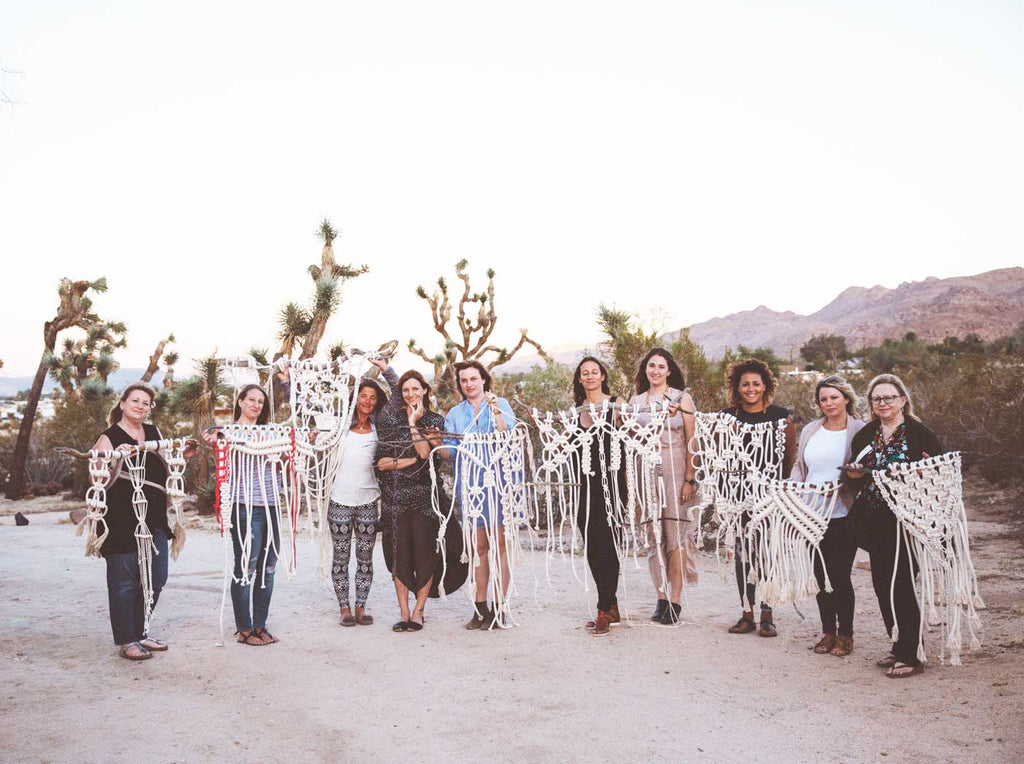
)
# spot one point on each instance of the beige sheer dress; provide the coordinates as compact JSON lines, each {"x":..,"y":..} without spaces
{"x":676,"y":530}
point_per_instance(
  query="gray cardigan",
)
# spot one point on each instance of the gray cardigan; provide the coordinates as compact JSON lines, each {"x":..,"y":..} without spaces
{"x":853,"y":426}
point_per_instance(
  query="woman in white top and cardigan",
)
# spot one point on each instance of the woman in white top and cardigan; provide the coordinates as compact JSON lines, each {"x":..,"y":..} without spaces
{"x":823,"y":448}
{"x":353,"y":504}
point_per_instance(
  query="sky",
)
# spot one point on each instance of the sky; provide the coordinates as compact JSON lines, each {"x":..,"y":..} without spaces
{"x":678,"y":160}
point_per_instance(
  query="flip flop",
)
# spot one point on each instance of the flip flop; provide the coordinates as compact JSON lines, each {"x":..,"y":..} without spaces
{"x":144,"y":655}
{"x":900,"y":670}
{"x":401,"y":626}
{"x":413,"y":626}
{"x":153,"y":645}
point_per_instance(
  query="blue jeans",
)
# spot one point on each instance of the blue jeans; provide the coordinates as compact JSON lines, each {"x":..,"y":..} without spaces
{"x":124,"y":590}
{"x":262,"y":561}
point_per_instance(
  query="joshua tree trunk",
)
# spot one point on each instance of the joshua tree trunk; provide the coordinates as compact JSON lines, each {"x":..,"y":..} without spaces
{"x":75,"y":310}
{"x":16,"y":479}
{"x":154,"y":360}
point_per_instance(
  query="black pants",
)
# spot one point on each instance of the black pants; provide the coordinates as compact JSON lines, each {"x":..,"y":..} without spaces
{"x":839,"y":547}
{"x":743,"y":566}
{"x":602,"y":556}
{"x":877,"y":535}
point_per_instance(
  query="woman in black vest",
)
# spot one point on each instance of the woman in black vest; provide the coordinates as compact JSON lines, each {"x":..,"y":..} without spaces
{"x":128,"y":427}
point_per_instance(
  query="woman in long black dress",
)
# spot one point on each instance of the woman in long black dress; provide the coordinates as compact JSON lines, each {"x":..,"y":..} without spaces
{"x":408,"y":430}
{"x":894,"y":435}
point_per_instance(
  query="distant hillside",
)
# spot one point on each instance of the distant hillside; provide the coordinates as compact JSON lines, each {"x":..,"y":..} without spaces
{"x":989,"y":304}
{"x":11,"y":386}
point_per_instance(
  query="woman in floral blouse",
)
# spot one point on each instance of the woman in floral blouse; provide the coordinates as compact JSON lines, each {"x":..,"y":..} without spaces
{"x":408,"y":431}
{"x":893,"y":435}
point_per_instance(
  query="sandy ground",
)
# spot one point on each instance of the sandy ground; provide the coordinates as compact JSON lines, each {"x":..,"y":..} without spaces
{"x":544,"y":691}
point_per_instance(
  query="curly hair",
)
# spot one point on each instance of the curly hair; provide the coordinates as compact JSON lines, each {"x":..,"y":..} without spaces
{"x":749,"y":366}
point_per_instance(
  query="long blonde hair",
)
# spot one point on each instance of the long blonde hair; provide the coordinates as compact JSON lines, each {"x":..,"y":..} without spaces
{"x":838,"y":383}
{"x":891,"y":379}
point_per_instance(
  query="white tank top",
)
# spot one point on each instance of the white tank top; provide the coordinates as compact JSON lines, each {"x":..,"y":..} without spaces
{"x":356,"y":484}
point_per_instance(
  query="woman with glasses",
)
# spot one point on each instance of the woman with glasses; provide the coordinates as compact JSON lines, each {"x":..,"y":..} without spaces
{"x":824,"y":447}
{"x":893,"y":435}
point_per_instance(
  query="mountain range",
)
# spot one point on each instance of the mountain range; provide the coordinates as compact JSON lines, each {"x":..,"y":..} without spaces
{"x":989,"y":304}
{"x":118,"y":380}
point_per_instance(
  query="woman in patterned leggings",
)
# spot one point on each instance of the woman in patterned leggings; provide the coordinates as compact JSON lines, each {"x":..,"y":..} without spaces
{"x":353,"y":505}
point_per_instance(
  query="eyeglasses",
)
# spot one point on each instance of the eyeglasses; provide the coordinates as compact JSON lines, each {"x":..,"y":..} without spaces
{"x":883,"y":400}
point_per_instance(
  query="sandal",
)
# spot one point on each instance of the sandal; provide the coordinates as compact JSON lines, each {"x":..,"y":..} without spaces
{"x":886,"y":662}
{"x":250,"y":638}
{"x":153,"y":645}
{"x":134,"y":651}
{"x":265,"y":637}
{"x":825,"y":644}
{"x":363,"y":618}
{"x":843,"y":646}
{"x":348,"y":620}
{"x":401,"y":626}
{"x":903,"y":670}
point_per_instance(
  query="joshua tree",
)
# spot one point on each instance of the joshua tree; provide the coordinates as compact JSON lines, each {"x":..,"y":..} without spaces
{"x":75,"y":310}
{"x":469,"y":339}
{"x":197,"y":398}
{"x":86,"y":359}
{"x":170,"y":359}
{"x":154,"y":360}
{"x":303,"y":327}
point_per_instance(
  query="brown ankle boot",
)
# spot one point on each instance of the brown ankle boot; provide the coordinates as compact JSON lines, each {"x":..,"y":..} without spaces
{"x":843,"y":646}
{"x":745,"y":625}
{"x":602,"y":624}
{"x":614,"y":619}
{"x":767,"y":624}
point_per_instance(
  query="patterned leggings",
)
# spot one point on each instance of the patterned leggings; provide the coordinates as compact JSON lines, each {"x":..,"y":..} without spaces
{"x":343,"y":521}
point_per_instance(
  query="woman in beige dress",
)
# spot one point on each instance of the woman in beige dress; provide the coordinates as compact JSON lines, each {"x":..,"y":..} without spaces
{"x":672,"y":558}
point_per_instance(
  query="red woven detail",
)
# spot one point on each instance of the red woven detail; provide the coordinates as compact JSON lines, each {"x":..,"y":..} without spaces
{"x":222,"y":478}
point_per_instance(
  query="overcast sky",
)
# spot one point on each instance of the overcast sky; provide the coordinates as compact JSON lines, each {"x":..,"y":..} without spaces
{"x":677,"y":159}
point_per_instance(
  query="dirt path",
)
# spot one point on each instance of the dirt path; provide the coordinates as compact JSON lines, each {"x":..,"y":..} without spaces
{"x":544,"y":691}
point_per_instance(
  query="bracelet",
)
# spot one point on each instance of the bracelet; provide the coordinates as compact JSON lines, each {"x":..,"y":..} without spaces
{"x":394,"y":463}
{"x":691,"y":481}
